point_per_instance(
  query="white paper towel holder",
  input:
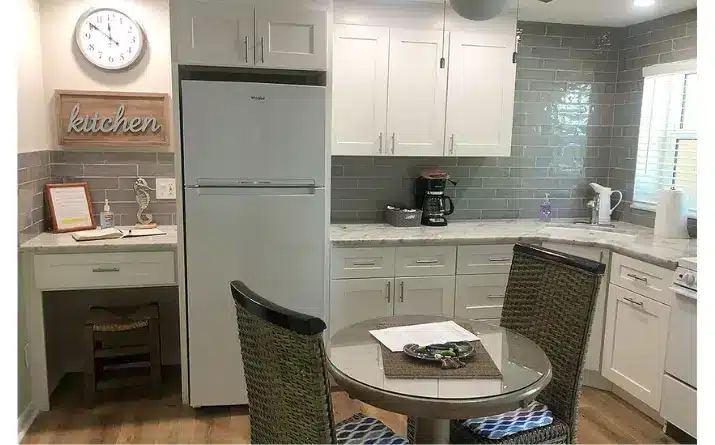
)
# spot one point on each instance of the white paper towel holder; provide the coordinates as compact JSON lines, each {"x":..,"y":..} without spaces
{"x":671,"y":220}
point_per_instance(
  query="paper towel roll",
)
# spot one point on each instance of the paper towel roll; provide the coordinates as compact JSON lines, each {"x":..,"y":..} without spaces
{"x":670,"y":218}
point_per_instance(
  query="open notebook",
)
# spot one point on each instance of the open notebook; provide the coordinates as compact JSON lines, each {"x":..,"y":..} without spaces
{"x":113,"y":233}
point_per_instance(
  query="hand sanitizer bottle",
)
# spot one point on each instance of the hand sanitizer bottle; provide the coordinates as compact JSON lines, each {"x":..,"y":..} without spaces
{"x":545,"y":214}
{"x":106,"y":218}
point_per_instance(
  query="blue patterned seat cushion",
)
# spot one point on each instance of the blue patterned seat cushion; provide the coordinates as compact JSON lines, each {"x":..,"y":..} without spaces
{"x":361,"y":429}
{"x":495,"y":427}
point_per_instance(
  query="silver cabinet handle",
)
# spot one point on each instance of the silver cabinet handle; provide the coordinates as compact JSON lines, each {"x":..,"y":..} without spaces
{"x":427,"y":261}
{"x":105,"y":269}
{"x":499,"y":259}
{"x":636,"y":277}
{"x":245,"y":44}
{"x":451,"y":144}
{"x":496,"y":297}
{"x":630,"y":300}
{"x":402,"y":291}
{"x":393,"y":143}
{"x":364,"y":263}
{"x":388,"y":291}
{"x":263,"y":60}
{"x":379,"y":150}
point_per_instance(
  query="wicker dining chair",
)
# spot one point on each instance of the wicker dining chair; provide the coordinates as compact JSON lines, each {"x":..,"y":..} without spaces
{"x":550,"y":298}
{"x":287,"y":378}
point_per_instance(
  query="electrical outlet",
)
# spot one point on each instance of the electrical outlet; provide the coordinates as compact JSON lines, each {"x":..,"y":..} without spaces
{"x":165,"y":188}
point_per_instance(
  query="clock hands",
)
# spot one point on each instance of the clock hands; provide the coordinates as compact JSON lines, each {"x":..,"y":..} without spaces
{"x":109,"y":36}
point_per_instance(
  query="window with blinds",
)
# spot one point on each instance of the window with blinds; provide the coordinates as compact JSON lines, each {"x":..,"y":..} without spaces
{"x":667,"y":139}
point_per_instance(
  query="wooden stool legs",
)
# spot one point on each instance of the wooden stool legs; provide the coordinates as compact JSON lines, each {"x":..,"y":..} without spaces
{"x":155,"y":356}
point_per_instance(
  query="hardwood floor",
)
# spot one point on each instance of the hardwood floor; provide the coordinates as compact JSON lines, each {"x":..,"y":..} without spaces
{"x":129,"y":418}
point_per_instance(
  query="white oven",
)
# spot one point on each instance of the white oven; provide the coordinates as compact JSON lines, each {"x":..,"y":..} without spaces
{"x":679,"y":393}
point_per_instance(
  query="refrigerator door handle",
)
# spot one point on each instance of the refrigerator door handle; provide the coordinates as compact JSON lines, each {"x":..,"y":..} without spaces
{"x":255,"y":183}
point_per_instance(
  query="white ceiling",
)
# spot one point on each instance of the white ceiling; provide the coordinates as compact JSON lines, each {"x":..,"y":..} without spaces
{"x":598,"y":12}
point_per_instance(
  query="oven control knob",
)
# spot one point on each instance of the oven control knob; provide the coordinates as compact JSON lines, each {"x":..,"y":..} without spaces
{"x":689,"y":278}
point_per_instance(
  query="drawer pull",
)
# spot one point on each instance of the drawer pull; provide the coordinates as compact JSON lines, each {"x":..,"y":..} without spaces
{"x":388,"y":291}
{"x":496,"y":297}
{"x":636,"y":277}
{"x":500,"y":259}
{"x":630,"y":300}
{"x":427,"y":261}
{"x":105,"y":269}
{"x":402,"y":291}
{"x":364,"y":263}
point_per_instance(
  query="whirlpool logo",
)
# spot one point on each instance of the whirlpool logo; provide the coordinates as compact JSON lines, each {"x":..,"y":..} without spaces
{"x":258,"y":98}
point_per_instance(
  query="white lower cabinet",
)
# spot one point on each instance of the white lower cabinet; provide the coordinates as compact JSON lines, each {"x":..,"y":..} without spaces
{"x":424,"y":296}
{"x":635,"y":344}
{"x":356,"y":300}
{"x":480,"y":297}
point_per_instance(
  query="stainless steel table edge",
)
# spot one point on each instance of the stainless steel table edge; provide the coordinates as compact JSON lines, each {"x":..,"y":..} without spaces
{"x":434,"y":408}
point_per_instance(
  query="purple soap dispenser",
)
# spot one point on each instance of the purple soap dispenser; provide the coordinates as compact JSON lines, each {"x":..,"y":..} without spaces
{"x":545,"y":213}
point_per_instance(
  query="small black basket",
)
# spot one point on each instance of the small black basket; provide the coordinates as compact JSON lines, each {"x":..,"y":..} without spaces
{"x":404,"y":218}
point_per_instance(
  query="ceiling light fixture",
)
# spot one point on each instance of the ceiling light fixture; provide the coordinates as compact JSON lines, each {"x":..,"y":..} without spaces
{"x":643,"y":3}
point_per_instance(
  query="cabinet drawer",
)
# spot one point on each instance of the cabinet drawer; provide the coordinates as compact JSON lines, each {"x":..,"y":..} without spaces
{"x":100,"y":270}
{"x":424,"y":261}
{"x":679,"y":405}
{"x":480,"y":296}
{"x":484,"y":259}
{"x":642,"y":278}
{"x":363,"y":262}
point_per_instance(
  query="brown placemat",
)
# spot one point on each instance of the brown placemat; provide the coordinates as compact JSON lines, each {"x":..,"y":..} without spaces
{"x":398,"y":365}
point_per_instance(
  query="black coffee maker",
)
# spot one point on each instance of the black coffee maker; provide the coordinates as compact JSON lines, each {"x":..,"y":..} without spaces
{"x":430,"y":197}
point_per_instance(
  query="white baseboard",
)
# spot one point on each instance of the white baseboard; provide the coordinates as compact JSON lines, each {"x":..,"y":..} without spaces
{"x":637,"y":404}
{"x":25,"y":420}
{"x":594,"y":379}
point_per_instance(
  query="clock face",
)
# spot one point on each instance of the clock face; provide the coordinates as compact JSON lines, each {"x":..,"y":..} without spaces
{"x":109,"y":38}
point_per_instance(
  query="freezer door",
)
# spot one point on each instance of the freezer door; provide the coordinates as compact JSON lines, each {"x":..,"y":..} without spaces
{"x":274,"y":240}
{"x":253,"y":130}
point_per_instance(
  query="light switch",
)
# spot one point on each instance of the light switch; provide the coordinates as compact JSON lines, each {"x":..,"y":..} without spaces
{"x":165,"y":188}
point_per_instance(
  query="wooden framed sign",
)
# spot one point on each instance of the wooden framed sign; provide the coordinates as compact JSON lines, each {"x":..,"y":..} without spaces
{"x":109,"y":119}
{"x":70,"y":207}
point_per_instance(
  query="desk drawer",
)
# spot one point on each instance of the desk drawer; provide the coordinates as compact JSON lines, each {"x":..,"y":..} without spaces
{"x":642,"y":278}
{"x":362,"y":262}
{"x":484,"y":259}
{"x":425,"y":261}
{"x":98,"y":270}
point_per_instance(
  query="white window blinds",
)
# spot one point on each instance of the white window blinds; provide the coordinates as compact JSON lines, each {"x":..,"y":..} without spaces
{"x":667,"y":140}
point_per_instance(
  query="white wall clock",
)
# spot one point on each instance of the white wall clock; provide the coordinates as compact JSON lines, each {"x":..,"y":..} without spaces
{"x":109,"y":39}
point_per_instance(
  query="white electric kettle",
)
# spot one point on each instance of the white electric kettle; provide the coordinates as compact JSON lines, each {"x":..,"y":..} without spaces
{"x":604,"y":202}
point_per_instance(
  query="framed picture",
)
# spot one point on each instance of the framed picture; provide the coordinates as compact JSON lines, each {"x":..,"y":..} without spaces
{"x":70,"y":207}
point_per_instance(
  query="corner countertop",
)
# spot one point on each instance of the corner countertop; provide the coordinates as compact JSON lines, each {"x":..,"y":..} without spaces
{"x":45,"y":243}
{"x":627,"y":239}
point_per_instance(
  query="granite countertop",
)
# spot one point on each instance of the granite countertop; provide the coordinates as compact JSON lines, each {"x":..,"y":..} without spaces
{"x":628,"y":239}
{"x":64,"y":243}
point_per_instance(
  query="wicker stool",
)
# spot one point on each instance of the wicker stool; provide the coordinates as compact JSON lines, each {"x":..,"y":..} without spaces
{"x":122,"y":349}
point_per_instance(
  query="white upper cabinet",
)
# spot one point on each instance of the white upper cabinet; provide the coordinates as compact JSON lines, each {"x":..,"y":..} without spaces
{"x":480,"y":101}
{"x":416,"y":94}
{"x":360,"y":62}
{"x":291,"y":38}
{"x":216,"y":33}
{"x":238,"y":34}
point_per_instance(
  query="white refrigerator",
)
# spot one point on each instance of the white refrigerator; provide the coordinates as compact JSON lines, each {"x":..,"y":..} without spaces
{"x":254,"y":168}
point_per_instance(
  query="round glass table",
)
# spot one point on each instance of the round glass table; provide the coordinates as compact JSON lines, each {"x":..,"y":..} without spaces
{"x":356,"y":365}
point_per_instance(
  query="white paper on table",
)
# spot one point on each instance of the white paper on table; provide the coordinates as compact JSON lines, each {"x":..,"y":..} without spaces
{"x":422,"y":334}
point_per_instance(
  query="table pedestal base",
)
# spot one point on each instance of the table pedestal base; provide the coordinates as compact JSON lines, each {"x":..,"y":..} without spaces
{"x":425,"y":430}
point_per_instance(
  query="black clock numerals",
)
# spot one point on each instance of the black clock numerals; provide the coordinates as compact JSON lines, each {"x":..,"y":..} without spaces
{"x":91,"y":46}
{"x":111,"y":59}
{"x":121,"y":57}
{"x":100,"y":54}
{"x":87,"y":35}
{"x":100,"y":19}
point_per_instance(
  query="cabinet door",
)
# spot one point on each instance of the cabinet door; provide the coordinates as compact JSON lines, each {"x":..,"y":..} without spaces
{"x":360,"y":55}
{"x":480,"y":297}
{"x":635,"y":344}
{"x":416,"y":94}
{"x":353,"y":301}
{"x":291,"y":39}
{"x":425,"y":296}
{"x":480,"y":102}
{"x":216,"y":33}
{"x":595,"y":342}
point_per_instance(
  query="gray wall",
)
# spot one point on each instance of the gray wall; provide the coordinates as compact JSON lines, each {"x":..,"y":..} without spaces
{"x":563,"y":116}
{"x":663,"y":40}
